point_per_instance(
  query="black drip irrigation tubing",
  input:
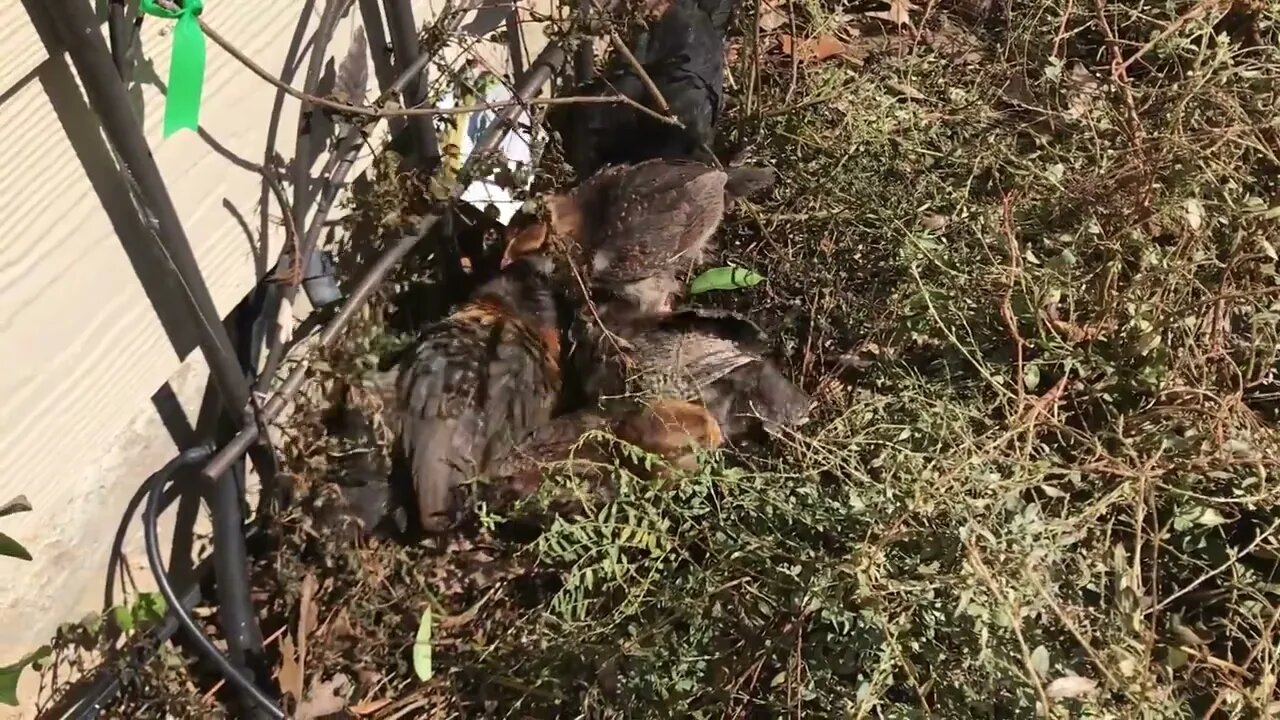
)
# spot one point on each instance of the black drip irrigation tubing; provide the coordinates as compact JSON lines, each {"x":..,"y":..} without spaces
{"x":101,"y":71}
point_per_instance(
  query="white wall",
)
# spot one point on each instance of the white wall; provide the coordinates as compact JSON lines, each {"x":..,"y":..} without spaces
{"x":84,"y":352}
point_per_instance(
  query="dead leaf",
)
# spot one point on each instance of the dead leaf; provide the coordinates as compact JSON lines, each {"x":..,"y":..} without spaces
{"x":955,"y":42}
{"x":324,"y":698}
{"x":823,"y":47}
{"x":369,"y":707}
{"x":452,"y":621}
{"x":732,"y":51}
{"x":1018,"y":92}
{"x":935,"y":222}
{"x":308,"y":616}
{"x":290,"y":675}
{"x":905,"y":90}
{"x":772,"y":17}
{"x":899,"y":13}
{"x":341,"y":627}
{"x":1194,"y":211}
{"x":972,"y":10}
{"x":1070,"y":686}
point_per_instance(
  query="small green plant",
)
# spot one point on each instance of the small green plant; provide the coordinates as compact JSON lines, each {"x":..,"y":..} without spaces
{"x":147,"y":609}
{"x":10,"y":674}
{"x":8,"y":546}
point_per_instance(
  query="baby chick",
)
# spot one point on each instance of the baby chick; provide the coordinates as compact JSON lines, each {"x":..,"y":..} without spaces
{"x":629,"y":227}
{"x":714,"y":357}
{"x":478,"y":382}
{"x":671,"y":429}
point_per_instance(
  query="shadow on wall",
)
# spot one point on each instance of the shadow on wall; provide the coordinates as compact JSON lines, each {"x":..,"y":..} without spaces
{"x":78,"y":122}
{"x":80,"y":126}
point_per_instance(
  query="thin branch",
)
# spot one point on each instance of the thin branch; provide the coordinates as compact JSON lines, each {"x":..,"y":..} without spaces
{"x":621,"y":48}
{"x":1015,"y":622}
{"x":374,"y":112}
{"x":294,"y":275}
{"x":1194,"y":13}
{"x":1229,"y":563}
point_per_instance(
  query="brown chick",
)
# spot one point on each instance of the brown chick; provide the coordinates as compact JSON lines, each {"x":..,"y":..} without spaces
{"x":478,"y":382}
{"x":671,"y":429}
{"x":714,"y":357}
{"x":633,"y":230}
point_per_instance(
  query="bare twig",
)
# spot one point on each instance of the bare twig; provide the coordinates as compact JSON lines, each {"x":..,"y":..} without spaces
{"x":1062,"y":28}
{"x":1230,"y":562}
{"x":1134,"y":121}
{"x":294,"y":276}
{"x":1015,"y":622}
{"x":621,"y":48}
{"x":305,"y":609}
{"x":1006,"y":305}
{"x":377,"y":110}
{"x":1203,"y":7}
{"x":1054,"y":605}
{"x":664,"y":108}
{"x":315,"y":65}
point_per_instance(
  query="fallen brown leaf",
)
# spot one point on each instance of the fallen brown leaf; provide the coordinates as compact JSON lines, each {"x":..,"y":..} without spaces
{"x":323,"y":698}
{"x":935,"y":222}
{"x":307,"y":619}
{"x":899,"y":13}
{"x":290,"y":675}
{"x":823,"y":47}
{"x":1071,"y":686}
{"x":772,"y":16}
{"x":369,"y":707}
{"x":954,"y":41}
{"x":905,"y":90}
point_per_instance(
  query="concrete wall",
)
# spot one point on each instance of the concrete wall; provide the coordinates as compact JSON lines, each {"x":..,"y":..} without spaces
{"x":99,"y":381}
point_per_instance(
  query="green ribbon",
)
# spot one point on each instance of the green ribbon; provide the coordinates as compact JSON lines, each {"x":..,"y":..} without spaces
{"x":186,"y":64}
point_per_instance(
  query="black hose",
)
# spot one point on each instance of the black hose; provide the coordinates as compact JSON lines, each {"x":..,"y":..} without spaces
{"x":236,"y":615}
{"x":118,"y":32}
{"x":150,"y":525}
{"x":106,"y":684}
{"x":78,"y":27}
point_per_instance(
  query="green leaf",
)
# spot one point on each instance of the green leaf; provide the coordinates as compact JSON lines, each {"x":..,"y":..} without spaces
{"x":10,"y":675}
{"x":16,"y":505}
{"x":122,"y":617}
{"x":9,"y":684}
{"x":12,"y":548}
{"x":422,"y":648}
{"x":92,"y":623}
{"x":1210,"y":517}
{"x":724,"y":278}
{"x":1176,"y":657}
{"x":149,"y":608}
{"x":1040,"y":660}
